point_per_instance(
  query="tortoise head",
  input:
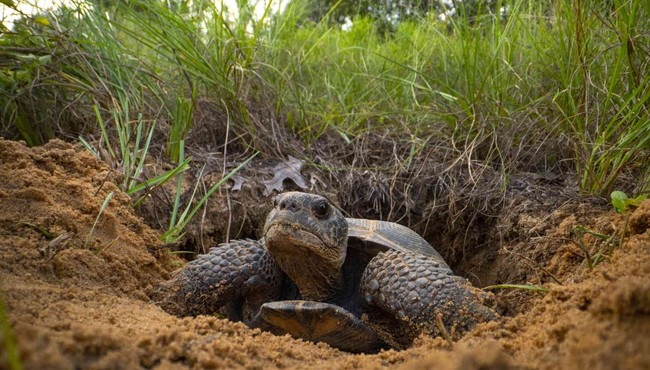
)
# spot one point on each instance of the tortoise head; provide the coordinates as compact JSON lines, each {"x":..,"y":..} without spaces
{"x":307,"y":238}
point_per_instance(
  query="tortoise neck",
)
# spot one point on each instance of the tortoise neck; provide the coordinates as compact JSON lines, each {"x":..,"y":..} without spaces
{"x":322,"y":288}
{"x":316,"y":281}
{"x":318,"y":275}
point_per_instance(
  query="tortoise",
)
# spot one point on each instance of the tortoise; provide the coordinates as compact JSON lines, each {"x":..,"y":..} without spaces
{"x":358,"y":285}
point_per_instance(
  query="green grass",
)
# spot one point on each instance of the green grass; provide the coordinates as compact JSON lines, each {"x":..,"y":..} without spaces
{"x":10,"y":346}
{"x":532,"y":288}
{"x":105,"y":203}
{"x":569,"y":73}
{"x":178,"y":221}
{"x":547,"y":85}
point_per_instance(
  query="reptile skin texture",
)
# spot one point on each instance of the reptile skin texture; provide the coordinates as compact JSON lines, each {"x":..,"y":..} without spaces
{"x":422,"y":294}
{"x":239,"y":270}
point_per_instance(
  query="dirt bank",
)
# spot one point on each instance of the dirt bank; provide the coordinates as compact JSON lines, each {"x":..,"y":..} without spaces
{"x":83,"y":302}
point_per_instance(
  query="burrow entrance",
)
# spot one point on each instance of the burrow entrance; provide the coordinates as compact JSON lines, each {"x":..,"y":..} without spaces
{"x":489,"y":232}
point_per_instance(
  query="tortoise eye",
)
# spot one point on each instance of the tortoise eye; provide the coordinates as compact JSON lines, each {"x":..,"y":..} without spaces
{"x":321,"y":209}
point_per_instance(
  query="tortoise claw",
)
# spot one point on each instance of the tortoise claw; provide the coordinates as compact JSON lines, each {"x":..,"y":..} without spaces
{"x":319,"y":322}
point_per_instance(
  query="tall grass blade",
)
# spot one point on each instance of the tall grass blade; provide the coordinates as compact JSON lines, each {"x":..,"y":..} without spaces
{"x":101,"y":210}
{"x":175,"y":232}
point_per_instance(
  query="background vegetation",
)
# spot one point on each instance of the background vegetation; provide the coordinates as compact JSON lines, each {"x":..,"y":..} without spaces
{"x":512,"y":85}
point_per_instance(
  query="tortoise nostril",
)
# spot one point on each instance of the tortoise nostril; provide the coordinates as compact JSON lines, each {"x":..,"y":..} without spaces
{"x":289,"y":205}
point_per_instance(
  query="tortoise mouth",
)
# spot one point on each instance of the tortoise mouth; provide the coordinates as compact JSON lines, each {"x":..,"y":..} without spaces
{"x":280,"y":233}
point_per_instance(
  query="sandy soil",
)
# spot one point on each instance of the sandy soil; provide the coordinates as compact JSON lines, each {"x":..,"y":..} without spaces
{"x":84,"y":302}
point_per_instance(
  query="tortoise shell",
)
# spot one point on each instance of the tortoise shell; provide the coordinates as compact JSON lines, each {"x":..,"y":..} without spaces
{"x":380,"y":236}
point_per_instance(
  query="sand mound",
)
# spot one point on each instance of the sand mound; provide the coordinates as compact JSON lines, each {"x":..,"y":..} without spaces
{"x":82,"y":301}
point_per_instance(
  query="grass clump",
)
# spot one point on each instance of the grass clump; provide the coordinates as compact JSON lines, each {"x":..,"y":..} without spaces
{"x":516,"y":86}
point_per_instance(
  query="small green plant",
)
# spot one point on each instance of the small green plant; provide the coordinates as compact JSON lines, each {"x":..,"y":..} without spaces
{"x":622,"y":203}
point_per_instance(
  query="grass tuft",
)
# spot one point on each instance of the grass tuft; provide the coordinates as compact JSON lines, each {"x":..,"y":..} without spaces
{"x":523,"y":86}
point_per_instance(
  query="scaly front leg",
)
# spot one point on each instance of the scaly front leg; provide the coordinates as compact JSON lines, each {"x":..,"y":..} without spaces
{"x":240,"y":275}
{"x":414,"y":293}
